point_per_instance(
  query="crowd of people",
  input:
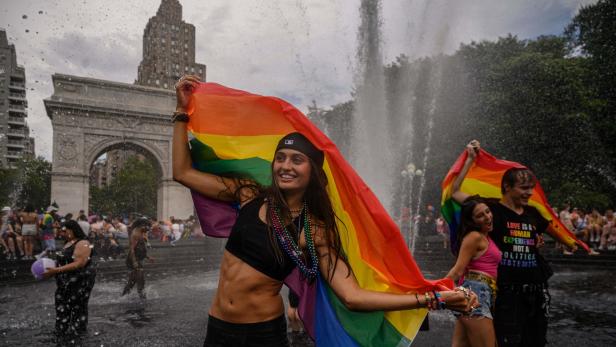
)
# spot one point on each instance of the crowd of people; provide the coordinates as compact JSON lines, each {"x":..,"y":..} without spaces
{"x":28,"y":233}
{"x":596,"y":229}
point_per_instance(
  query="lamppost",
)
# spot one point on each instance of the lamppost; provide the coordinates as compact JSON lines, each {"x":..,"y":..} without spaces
{"x":408,"y":227}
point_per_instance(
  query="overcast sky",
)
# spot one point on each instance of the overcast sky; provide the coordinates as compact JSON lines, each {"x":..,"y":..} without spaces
{"x":299,"y":50}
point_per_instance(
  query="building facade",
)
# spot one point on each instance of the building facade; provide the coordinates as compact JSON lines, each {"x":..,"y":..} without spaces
{"x":168,"y":48}
{"x":15,"y":140}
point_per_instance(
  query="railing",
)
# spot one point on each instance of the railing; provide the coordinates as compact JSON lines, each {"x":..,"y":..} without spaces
{"x":17,"y":86}
{"x":16,"y":154}
{"x":17,"y":120}
{"x":15,"y":108}
{"x":16,"y":143}
{"x":17,"y":96}
{"x":14,"y":132}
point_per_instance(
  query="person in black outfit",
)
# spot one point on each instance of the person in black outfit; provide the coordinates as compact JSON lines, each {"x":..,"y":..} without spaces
{"x":75,"y":276}
{"x":136,"y":255}
{"x":520,"y":317}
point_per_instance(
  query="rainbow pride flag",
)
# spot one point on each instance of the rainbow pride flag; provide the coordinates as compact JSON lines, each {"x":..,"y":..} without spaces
{"x":484,"y":179}
{"x":235,"y":133}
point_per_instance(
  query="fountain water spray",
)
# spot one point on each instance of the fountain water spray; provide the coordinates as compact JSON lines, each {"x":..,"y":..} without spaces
{"x":370,"y":152}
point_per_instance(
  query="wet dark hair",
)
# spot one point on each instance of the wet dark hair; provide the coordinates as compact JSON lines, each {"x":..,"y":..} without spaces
{"x":75,"y":228}
{"x":140,"y":224}
{"x":318,"y":203}
{"x":29,"y":208}
{"x":516,"y":175}
{"x":467,"y":224}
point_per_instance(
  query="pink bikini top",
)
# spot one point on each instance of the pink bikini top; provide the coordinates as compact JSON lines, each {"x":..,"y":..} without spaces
{"x":488,"y":261}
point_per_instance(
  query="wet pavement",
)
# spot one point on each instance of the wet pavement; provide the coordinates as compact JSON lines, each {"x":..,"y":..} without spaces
{"x":175,"y":311}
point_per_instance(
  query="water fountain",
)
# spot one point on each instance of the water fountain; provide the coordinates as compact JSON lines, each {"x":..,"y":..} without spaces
{"x":369,"y":153}
{"x":387,"y":138}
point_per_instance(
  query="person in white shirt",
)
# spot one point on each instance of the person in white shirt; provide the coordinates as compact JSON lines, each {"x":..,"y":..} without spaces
{"x":82,"y":220}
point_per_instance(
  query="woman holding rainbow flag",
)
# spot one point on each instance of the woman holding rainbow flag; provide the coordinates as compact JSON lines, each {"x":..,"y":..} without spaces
{"x":520,"y":215}
{"x":290,"y":224}
{"x":476,"y":265}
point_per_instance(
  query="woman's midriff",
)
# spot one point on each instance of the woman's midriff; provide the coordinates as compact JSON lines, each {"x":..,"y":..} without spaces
{"x":245,"y":295}
{"x":481,"y":273}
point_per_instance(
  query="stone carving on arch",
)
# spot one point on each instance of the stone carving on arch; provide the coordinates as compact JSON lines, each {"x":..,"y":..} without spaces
{"x":97,"y":144}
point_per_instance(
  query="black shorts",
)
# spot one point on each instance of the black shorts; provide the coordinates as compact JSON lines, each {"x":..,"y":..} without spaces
{"x":222,"y":334}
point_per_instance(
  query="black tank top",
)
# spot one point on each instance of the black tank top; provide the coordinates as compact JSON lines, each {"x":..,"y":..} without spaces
{"x":249,"y":240}
{"x":65,"y":257}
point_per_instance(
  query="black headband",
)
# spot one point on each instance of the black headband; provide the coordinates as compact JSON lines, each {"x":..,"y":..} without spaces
{"x":300,"y":143}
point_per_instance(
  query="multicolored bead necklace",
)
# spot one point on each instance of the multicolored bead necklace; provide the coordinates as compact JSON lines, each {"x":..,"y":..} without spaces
{"x":290,"y":247}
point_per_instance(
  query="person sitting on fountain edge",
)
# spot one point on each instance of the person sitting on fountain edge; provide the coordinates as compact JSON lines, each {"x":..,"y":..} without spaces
{"x":247,"y":308}
{"x":520,"y":317}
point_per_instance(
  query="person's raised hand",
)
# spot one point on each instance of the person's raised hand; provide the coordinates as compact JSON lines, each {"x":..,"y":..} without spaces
{"x":472,"y":149}
{"x":183,"y":89}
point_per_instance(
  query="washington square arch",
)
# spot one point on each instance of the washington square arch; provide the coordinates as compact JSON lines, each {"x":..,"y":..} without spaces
{"x":90,"y":117}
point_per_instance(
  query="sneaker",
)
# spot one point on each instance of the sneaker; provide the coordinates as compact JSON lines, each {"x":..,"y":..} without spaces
{"x":593,"y":252}
{"x":566,"y":252}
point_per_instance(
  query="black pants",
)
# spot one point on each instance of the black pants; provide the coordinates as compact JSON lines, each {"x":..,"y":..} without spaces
{"x":520,"y":317}
{"x":135,"y":276}
{"x":222,"y":334}
{"x":72,"y":296}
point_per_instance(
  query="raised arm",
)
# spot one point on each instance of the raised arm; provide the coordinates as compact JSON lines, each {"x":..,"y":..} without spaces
{"x":468,"y":249}
{"x":355,"y":298}
{"x":212,"y":186}
{"x":472,"y":149}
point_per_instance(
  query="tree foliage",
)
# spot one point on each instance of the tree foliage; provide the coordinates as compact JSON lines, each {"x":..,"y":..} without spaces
{"x":549,"y":103}
{"x":133,"y":190}
{"x":29,"y":183}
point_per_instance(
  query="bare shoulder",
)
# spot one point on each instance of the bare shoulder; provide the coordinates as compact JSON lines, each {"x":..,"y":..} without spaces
{"x":473,"y":237}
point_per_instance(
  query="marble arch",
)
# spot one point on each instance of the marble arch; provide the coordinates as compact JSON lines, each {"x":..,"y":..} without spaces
{"x":90,"y":116}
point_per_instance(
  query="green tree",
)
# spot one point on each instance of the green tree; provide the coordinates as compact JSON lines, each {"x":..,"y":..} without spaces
{"x":134,"y":190}
{"x":28,"y":183}
{"x":35,"y":187}
{"x":8,"y":177}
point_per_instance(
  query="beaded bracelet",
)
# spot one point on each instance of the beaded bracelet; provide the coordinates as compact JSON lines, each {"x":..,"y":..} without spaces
{"x":441,"y":303}
{"x":418,"y":303}
{"x":428,"y":301}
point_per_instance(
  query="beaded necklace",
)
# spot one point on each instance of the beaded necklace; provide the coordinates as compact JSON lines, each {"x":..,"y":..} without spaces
{"x":290,"y":247}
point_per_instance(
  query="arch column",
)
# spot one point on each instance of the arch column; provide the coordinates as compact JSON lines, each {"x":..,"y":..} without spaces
{"x":174,"y":200}
{"x":70,"y":192}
